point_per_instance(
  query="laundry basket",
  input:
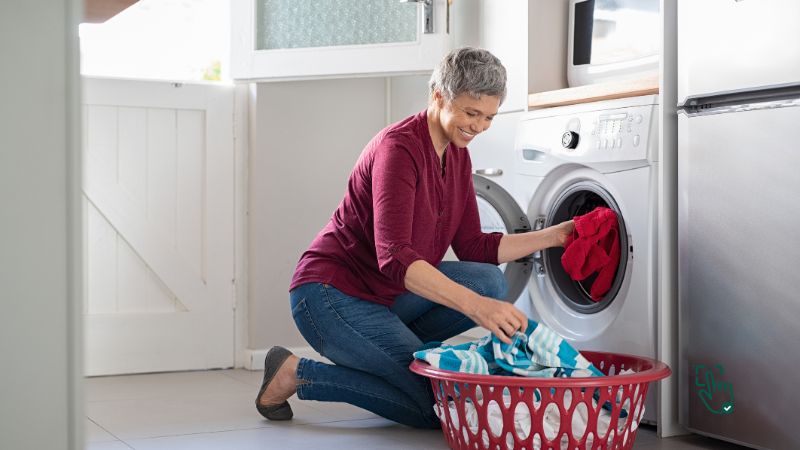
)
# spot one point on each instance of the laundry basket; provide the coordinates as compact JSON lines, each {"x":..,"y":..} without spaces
{"x":491,"y":412}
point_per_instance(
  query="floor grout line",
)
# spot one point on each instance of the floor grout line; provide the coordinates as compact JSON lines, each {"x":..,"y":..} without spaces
{"x":109,"y":432}
{"x":241,"y":429}
{"x":266,"y":425}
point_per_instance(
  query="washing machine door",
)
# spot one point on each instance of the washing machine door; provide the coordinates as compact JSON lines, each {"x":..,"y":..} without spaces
{"x":561,"y":302}
{"x":499,"y":212}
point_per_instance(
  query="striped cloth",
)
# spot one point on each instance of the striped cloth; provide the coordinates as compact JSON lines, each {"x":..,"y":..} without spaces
{"x":538,"y":352}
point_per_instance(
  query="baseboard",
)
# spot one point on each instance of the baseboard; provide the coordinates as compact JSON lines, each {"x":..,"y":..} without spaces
{"x":254,"y":358}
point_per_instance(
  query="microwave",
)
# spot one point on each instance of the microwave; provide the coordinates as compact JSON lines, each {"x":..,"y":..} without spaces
{"x":612,"y":40}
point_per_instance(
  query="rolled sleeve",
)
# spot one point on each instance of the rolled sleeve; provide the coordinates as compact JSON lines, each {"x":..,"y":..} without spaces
{"x":469,"y":242}
{"x":394,"y":180}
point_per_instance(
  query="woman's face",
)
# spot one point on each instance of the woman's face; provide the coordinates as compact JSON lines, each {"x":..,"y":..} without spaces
{"x":465,"y":117}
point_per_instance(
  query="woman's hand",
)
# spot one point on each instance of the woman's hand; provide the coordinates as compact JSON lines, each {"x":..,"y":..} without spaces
{"x":561,"y":232}
{"x":501,"y":318}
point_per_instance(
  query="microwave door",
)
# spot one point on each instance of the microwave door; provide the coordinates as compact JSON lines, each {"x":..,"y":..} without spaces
{"x":729,"y":46}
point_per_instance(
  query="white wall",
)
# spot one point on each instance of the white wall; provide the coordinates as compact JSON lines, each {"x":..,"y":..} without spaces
{"x":306,"y":138}
{"x":548,"y":21}
{"x":407,"y":95}
{"x":40,"y":261}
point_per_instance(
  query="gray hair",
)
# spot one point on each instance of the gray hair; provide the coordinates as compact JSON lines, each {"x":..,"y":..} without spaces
{"x":470,"y":71}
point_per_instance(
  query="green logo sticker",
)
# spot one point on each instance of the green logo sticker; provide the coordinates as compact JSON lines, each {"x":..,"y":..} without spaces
{"x":716,"y":394}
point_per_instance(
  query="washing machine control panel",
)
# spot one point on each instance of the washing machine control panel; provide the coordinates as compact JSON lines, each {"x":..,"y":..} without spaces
{"x":608,"y":131}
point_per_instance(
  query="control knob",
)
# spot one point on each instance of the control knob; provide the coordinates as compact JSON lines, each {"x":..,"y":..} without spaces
{"x":569,"y":140}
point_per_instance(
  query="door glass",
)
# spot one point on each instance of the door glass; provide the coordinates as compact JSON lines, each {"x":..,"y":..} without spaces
{"x":325,"y":23}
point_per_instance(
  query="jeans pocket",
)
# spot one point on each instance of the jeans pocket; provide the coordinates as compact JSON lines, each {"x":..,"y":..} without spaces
{"x":305,"y":324}
{"x":298,"y":308}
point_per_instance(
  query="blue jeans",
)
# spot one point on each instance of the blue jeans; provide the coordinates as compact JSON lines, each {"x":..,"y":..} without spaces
{"x":372,"y":345}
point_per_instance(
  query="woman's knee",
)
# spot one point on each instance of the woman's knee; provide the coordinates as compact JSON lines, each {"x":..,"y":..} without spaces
{"x":485,"y":279}
{"x":490,"y":280}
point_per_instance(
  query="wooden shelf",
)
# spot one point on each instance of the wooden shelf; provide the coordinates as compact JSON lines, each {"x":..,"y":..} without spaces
{"x":594,"y":92}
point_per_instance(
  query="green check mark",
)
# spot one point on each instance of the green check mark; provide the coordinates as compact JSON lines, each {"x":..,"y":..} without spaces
{"x":713,"y":392}
{"x":727,"y":408}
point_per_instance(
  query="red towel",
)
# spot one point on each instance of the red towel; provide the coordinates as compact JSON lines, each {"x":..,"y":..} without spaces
{"x":593,"y":247}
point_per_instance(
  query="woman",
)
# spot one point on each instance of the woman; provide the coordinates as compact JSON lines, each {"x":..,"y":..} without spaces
{"x":372,"y":287}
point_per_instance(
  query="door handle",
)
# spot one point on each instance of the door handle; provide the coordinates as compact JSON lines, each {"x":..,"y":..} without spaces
{"x":427,"y":13}
{"x":538,"y":257}
{"x":489,"y":172}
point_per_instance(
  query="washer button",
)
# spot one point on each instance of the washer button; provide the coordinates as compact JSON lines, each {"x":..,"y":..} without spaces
{"x":636,"y":141}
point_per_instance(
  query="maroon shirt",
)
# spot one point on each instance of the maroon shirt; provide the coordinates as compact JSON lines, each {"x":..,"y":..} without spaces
{"x":398,"y":208}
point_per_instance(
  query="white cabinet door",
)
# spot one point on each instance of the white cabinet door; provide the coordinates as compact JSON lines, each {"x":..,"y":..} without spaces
{"x":159,"y":210}
{"x":283,"y":39}
{"x":504,"y":32}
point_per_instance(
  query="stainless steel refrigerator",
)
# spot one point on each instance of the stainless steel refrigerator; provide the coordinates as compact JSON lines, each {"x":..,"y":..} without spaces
{"x":739,"y":220}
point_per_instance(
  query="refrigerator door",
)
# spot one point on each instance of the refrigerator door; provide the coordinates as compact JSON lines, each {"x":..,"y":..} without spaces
{"x":739,"y":273}
{"x":736,"y":45}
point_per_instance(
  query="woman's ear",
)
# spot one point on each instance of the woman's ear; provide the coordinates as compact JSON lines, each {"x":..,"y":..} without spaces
{"x":438,"y":99}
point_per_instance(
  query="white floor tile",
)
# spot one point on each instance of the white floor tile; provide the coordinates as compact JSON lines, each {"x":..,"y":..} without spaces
{"x":96,"y":434}
{"x":116,"y":445}
{"x":162,"y":385}
{"x":343,"y":411}
{"x":153,"y":417}
{"x":250,"y":377}
{"x":374,"y":434}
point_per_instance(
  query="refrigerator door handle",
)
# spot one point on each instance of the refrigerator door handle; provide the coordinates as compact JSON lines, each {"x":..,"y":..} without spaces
{"x":752,"y":99}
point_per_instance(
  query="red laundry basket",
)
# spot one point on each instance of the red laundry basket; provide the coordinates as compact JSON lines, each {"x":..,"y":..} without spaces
{"x":550,"y":399}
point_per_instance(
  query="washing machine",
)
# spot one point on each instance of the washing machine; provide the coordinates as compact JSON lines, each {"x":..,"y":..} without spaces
{"x":569,"y":160}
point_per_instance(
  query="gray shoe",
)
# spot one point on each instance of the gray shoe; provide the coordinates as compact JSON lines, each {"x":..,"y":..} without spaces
{"x":276,"y":356}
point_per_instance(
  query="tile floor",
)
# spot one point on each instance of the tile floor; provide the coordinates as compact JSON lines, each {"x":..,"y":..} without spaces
{"x":214,"y":410}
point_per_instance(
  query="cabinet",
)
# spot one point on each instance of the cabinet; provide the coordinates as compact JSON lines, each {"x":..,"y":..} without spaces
{"x":503,"y":30}
{"x":285,"y":39}
{"x":530,"y":38}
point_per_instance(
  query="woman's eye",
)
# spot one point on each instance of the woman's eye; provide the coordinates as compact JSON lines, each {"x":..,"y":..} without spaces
{"x":472,"y":114}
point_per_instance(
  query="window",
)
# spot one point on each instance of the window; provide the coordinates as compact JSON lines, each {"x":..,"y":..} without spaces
{"x":176,"y":40}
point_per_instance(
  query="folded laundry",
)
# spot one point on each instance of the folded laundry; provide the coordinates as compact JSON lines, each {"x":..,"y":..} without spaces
{"x":593,"y":247}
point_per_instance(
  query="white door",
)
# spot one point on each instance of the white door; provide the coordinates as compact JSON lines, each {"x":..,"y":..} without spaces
{"x":158,"y":166}
{"x":279,"y":39}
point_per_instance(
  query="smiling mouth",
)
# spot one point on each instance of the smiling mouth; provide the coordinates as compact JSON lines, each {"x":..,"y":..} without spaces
{"x":467,"y":134}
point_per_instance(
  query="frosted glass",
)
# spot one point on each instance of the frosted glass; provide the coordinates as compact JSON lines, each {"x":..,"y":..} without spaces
{"x":322,"y":23}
